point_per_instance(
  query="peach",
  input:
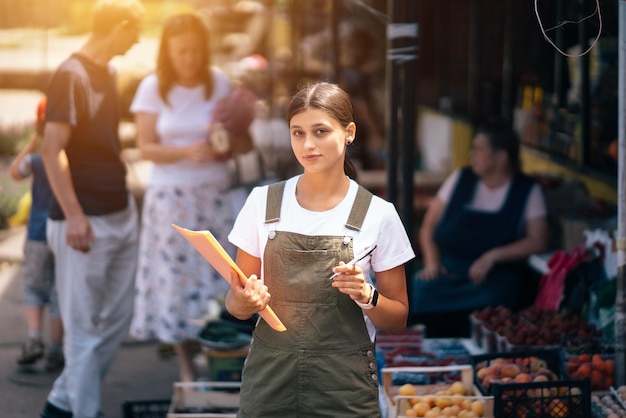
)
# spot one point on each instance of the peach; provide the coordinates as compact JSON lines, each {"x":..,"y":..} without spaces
{"x":457,"y":388}
{"x":478,"y":408}
{"x":558,"y":409}
{"x":509,"y":370}
{"x":406,"y":390}
{"x":523,"y":378}
{"x":421,"y":409}
{"x":443,"y":402}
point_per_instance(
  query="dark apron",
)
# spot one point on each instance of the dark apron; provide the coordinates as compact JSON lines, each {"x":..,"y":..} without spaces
{"x":463,"y":235}
{"x":324,"y":364}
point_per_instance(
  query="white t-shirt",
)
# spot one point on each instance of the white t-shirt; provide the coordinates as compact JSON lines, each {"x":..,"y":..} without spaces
{"x":491,"y":200}
{"x":184,"y":121}
{"x":382,"y":226}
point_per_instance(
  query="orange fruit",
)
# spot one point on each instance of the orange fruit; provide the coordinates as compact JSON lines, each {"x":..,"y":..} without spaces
{"x":407,"y":390}
{"x":584,"y":370}
{"x":478,"y":408}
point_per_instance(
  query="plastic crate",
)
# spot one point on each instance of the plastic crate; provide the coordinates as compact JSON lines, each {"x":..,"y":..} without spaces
{"x":590,"y":357}
{"x":205,"y":400}
{"x":146,"y":408}
{"x":552,"y":356}
{"x":561,"y":398}
{"x":436,"y":381}
{"x":483,"y":338}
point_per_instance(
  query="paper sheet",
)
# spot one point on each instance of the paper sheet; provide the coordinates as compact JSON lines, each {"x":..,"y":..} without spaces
{"x":206,"y":244}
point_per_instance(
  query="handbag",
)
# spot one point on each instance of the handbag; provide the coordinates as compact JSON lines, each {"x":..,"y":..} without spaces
{"x":232,"y":118}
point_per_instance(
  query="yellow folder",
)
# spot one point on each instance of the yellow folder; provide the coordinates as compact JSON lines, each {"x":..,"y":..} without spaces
{"x":206,"y":244}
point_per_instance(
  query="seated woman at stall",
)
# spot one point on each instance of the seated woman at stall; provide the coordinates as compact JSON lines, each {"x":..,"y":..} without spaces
{"x":485,"y":220}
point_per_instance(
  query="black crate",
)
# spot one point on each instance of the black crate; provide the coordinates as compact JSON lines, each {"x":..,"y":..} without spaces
{"x":553,"y":357}
{"x":146,"y":409}
{"x":561,"y":398}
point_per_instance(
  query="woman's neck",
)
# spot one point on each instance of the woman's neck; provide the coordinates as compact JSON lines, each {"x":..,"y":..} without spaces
{"x":321,"y":193}
{"x":189,"y":82}
{"x":497,"y":179}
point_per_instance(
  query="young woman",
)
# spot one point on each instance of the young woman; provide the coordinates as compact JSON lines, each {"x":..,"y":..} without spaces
{"x":291,"y":237}
{"x":173,"y":110}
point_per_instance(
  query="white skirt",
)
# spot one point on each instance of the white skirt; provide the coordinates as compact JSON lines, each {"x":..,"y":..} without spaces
{"x":174,"y":282}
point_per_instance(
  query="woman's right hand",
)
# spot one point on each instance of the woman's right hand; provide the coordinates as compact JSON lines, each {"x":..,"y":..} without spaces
{"x":431,"y":271}
{"x":246,"y":301}
{"x":201,"y":152}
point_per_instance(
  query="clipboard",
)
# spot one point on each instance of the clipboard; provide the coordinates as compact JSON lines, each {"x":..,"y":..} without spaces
{"x":206,"y":244}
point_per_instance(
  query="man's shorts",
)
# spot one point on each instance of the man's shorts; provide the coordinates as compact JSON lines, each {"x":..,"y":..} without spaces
{"x":38,"y":276}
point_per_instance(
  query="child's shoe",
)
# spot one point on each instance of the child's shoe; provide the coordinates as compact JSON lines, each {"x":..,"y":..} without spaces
{"x":31,"y":352}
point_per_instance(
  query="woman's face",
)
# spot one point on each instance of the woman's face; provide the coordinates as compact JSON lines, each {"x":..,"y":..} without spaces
{"x":319,"y":141}
{"x":482,"y":157}
{"x":186,"y":53}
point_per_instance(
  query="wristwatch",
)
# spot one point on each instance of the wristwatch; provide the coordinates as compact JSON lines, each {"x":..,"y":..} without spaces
{"x":373,"y":300}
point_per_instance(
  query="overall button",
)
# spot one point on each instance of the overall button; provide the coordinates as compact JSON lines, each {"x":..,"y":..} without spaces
{"x":370,"y":353}
{"x":372,"y":366}
{"x":374,"y":377}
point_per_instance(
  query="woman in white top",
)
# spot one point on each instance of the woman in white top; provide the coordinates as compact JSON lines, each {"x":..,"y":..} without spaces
{"x":291,"y":237}
{"x":485,"y":219}
{"x":173,"y":110}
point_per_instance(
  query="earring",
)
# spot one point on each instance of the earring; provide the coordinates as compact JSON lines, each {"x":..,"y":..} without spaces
{"x":349,"y":141}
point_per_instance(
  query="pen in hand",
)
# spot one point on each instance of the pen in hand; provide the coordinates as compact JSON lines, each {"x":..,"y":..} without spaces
{"x":356,"y":260}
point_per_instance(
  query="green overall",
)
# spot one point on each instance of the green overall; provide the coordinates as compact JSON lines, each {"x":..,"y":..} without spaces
{"x":324,"y":364}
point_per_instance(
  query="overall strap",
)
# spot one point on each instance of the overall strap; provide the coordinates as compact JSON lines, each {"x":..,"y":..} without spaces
{"x":359,"y":209}
{"x":274,"y":201}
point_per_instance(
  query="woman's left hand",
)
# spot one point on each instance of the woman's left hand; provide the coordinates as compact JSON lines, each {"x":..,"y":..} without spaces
{"x":351,"y":282}
{"x":481,"y":267}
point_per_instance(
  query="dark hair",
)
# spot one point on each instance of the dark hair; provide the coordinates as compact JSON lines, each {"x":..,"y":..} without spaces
{"x":108,"y":13}
{"x":331,"y":99}
{"x":177,"y":25}
{"x":502,"y":138}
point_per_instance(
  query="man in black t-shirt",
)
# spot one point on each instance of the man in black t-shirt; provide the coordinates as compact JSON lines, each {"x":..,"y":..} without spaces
{"x":92,"y":226}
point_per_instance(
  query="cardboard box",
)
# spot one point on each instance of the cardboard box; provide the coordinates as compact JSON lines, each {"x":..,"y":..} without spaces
{"x":397,"y":404}
{"x":205,"y":400}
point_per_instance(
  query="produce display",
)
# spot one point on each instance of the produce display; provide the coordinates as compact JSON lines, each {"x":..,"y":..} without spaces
{"x":609,"y":405}
{"x":517,"y":370}
{"x":535,"y":363}
{"x":531,"y":384}
{"x":532,"y":326}
{"x":598,"y":368}
{"x":455,"y":401}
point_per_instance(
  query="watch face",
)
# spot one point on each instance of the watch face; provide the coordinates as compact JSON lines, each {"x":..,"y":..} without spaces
{"x":375,"y":298}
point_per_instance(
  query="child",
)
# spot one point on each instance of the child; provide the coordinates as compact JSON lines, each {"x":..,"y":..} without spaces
{"x":38,"y":266}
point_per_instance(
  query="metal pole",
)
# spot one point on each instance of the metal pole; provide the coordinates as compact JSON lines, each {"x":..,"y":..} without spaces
{"x":584,"y":149}
{"x":559,"y":59}
{"x":507,"y":62}
{"x":472,"y":65}
{"x":409,"y":116}
{"x":393,"y":87}
{"x":620,"y":319}
{"x":402,"y":35}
